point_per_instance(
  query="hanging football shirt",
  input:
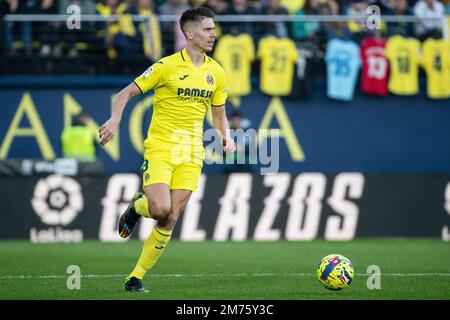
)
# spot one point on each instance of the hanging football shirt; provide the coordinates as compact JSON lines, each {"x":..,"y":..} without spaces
{"x":436,"y":62}
{"x":235,"y":54}
{"x":343,"y":62}
{"x":375,"y":67}
{"x":404,"y":57}
{"x":278,"y":57}
{"x":308,"y":55}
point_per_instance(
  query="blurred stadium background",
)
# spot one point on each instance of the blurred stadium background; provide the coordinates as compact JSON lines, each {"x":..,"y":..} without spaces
{"x":361,"y":107}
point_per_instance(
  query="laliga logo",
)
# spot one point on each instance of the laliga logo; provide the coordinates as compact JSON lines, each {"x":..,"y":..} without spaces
{"x":57,"y":200}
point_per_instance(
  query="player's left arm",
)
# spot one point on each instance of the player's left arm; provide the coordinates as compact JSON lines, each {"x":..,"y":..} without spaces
{"x":220,"y":122}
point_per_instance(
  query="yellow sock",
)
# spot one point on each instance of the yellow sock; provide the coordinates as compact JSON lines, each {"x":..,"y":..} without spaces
{"x":153,"y":248}
{"x":141,"y":206}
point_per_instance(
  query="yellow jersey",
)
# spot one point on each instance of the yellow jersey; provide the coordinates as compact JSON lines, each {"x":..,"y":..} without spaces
{"x":278,"y":57}
{"x":404,"y":57}
{"x":235,"y":54}
{"x":436,"y":62}
{"x":183,"y":94}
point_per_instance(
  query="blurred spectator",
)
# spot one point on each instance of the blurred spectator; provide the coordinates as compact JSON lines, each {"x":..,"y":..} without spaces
{"x":293,"y":6}
{"x":138,"y":40}
{"x":86,"y":6}
{"x":447,"y":7}
{"x":358,"y":26}
{"x":110,"y":28}
{"x":46,"y":32}
{"x":346,"y":5}
{"x":400,"y":8}
{"x":242,"y":157}
{"x":149,"y":30}
{"x":217,"y":6}
{"x":305,"y":30}
{"x":6,"y":7}
{"x":278,"y":29}
{"x":77,"y":141}
{"x":428,"y":9}
{"x":173,"y":39}
{"x":356,"y":9}
{"x":158,"y":3}
{"x":75,"y":40}
{"x":19,"y":30}
{"x":27,"y":31}
{"x":386,"y":6}
{"x":241,"y":7}
{"x":334,"y":29}
{"x":330,"y":7}
{"x":196,"y":3}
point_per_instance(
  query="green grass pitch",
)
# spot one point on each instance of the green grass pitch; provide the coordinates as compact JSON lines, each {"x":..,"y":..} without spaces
{"x":410,"y":269}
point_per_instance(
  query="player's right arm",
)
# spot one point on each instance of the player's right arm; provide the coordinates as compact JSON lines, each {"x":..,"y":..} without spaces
{"x":152,"y":78}
{"x":109,"y":128}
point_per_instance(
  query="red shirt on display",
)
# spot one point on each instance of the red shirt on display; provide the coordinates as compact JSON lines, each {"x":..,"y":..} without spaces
{"x":375,"y":70}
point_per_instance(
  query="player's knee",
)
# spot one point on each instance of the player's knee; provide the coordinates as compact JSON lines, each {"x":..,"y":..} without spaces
{"x":169,"y":221}
{"x":158,"y":210}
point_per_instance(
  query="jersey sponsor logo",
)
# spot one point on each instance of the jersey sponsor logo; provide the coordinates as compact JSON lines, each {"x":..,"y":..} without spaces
{"x":184,"y":77}
{"x":210,"y":79}
{"x":194,"y":92}
{"x":147,"y":73}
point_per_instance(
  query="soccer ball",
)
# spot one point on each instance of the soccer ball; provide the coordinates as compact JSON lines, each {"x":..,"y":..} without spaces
{"x":335,"y":272}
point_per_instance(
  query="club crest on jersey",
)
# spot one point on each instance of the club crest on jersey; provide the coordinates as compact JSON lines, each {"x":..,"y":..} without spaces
{"x":210,"y":79}
{"x":147,"y":73}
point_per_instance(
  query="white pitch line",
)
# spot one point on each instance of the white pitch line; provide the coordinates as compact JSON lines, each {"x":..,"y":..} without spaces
{"x":175,"y":275}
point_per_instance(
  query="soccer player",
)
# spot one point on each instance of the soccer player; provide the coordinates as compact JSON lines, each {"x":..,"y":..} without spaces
{"x":186,"y":84}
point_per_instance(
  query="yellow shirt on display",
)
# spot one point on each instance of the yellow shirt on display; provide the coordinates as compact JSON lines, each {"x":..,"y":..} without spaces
{"x":235,"y":54}
{"x":436,"y":62}
{"x":404,"y":57}
{"x":278,"y":57}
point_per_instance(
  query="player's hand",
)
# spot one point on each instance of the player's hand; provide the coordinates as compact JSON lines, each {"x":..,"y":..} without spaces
{"x":108,"y":130}
{"x":228,"y":145}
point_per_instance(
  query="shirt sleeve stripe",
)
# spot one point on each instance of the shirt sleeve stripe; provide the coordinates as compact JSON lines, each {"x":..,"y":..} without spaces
{"x":216,"y":106}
